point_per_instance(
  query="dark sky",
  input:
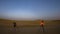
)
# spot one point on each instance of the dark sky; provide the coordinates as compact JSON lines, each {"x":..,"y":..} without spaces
{"x":30,"y":9}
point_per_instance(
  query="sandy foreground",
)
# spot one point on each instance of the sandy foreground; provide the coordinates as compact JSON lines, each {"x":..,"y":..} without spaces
{"x":29,"y":27}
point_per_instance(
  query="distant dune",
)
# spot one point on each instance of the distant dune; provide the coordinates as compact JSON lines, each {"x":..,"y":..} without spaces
{"x":5,"y":22}
{"x":24,"y":22}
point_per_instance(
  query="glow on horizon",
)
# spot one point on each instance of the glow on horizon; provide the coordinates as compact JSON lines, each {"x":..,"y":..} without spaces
{"x":17,"y":15}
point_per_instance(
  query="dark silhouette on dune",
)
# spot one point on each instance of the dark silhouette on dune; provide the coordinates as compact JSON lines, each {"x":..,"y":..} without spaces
{"x":14,"y":24}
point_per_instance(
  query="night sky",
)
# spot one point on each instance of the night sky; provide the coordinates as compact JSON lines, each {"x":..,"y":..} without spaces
{"x":30,"y":9}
